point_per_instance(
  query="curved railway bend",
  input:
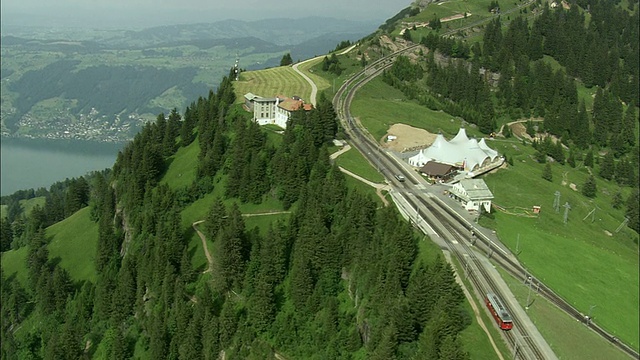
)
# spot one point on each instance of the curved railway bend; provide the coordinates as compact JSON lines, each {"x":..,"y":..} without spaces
{"x":452,"y":231}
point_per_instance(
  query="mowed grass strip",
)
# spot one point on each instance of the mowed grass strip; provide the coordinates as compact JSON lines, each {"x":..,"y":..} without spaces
{"x":322,"y":83}
{"x":74,"y":240}
{"x":281,"y":80}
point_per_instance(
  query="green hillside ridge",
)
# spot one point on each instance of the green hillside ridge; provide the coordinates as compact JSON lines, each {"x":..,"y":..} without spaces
{"x":72,"y":241}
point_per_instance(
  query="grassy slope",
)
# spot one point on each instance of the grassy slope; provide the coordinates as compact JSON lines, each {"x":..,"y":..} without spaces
{"x":27,"y":205}
{"x":182,"y":166}
{"x":74,"y":240}
{"x":14,"y":263}
{"x":548,"y":245}
{"x":357,"y":164}
{"x":569,"y":336}
{"x":378,"y":106}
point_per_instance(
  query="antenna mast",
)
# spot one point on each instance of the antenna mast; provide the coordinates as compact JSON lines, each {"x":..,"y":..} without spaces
{"x":624,"y":222}
{"x":236,"y":67}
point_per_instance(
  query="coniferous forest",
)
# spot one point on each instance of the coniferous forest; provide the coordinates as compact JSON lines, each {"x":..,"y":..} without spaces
{"x":599,"y":50}
{"x":339,"y":279}
{"x":531,"y":67}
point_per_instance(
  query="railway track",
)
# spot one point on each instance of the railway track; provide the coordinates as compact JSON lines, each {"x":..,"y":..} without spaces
{"x":474,"y":266}
{"x":363,"y":141}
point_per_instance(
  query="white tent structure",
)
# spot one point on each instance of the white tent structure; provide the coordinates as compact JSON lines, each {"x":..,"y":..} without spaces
{"x":459,"y":151}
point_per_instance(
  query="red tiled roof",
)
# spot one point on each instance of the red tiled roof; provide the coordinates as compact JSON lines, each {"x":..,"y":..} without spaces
{"x":293,"y":105}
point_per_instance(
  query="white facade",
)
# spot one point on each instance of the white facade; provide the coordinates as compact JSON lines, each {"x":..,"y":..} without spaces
{"x":264,"y":110}
{"x":474,"y":194}
{"x":275,"y":110}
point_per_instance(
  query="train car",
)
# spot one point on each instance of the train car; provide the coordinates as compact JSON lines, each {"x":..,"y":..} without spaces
{"x":499,"y":312}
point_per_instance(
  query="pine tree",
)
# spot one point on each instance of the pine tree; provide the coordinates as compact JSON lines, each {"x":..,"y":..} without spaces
{"x":628,"y":127}
{"x":633,"y":213}
{"x":607,"y":167}
{"x":452,"y":349}
{"x":589,"y":188}
{"x":588,"y":159}
{"x":262,"y":306}
{"x":6,"y":235}
{"x":547,"y":173}
{"x":616,"y":201}
{"x":286,"y":60}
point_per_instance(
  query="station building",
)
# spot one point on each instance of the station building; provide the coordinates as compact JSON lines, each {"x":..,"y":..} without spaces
{"x":473,"y":194}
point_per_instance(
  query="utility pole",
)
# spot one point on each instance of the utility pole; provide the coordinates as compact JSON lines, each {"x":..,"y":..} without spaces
{"x":528,"y":294}
{"x":588,"y":317}
{"x":567,"y":207}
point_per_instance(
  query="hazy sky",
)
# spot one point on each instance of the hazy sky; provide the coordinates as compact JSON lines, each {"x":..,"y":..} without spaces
{"x":136,"y":13}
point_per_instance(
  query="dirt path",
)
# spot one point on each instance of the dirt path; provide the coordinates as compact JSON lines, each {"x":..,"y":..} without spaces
{"x":518,"y":122}
{"x":267,"y":213}
{"x":314,"y":88}
{"x":445,"y":19}
{"x":340,"y":152}
{"x":204,"y":245}
{"x":379,"y":187}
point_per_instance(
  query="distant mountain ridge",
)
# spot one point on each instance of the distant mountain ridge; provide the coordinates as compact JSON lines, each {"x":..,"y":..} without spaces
{"x":278,"y":31}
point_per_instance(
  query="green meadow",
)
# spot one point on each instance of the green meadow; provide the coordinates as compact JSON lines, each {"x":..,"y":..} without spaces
{"x":585,"y":261}
{"x":378,"y":106}
{"x":74,"y":240}
{"x":568,"y":338}
{"x":14,"y":263}
{"x":353,"y":161}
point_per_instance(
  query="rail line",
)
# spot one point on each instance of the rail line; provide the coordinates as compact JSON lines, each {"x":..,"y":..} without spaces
{"x":363,"y":141}
{"x":458,"y":234}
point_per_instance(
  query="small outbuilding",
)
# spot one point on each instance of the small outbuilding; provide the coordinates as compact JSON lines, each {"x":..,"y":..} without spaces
{"x":474,"y":194}
{"x":438,"y":171}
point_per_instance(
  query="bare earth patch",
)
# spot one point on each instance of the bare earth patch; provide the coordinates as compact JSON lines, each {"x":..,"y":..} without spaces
{"x":408,"y":138}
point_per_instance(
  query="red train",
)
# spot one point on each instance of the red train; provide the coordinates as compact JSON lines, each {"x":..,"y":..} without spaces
{"x":499,"y":312}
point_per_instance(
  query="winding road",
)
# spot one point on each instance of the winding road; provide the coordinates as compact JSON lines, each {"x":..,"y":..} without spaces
{"x":314,"y":88}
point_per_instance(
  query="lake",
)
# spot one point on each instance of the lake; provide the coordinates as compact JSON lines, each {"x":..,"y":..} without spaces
{"x":35,"y":163}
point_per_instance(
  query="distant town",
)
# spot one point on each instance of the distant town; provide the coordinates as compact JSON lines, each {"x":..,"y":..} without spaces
{"x":91,"y":127}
